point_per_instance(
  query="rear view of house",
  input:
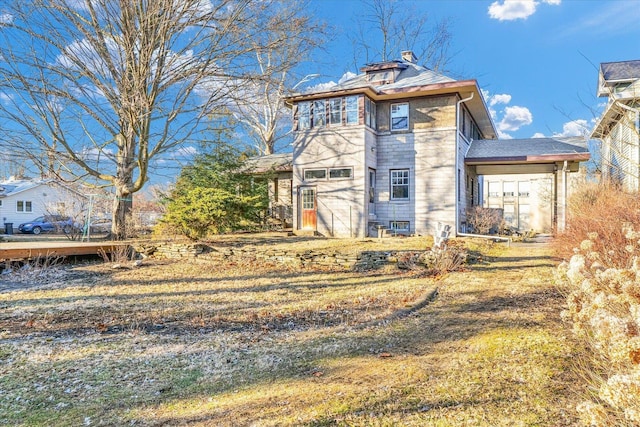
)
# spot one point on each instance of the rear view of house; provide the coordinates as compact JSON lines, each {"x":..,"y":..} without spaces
{"x":386,"y":149}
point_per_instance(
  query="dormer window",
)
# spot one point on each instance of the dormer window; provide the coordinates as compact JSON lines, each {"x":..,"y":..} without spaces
{"x":383,"y":72}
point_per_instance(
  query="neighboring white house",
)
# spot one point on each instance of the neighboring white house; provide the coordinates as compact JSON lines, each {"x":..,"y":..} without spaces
{"x":22,"y":200}
{"x":405,"y":148}
{"x":619,"y":126}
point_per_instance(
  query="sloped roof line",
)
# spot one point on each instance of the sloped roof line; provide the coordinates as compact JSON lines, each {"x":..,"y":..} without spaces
{"x":539,"y":150}
{"x":620,"y":71}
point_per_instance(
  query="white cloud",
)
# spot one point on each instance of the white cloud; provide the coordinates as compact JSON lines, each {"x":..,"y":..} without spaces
{"x":503,"y":135}
{"x":500,"y":99}
{"x":6,"y":18}
{"x":514,"y":118}
{"x":538,"y":135}
{"x":578,"y":127}
{"x":5,"y":98}
{"x":509,"y":10}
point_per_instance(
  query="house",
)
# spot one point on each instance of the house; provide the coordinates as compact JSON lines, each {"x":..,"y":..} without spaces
{"x":22,"y":200}
{"x":619,"y":126}
{"x":389,"y":149}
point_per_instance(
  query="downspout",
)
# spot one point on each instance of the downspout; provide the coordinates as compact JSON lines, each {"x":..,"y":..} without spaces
{"x":457,"y":174}
{"x":564,"y":196}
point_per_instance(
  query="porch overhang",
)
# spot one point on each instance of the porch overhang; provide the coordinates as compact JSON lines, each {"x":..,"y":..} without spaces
{"x":524,"y":156}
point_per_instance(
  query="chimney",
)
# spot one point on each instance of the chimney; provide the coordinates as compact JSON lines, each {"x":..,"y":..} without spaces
{"x":408,"y":55}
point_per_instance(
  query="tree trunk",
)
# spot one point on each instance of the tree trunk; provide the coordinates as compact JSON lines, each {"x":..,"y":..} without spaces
{"x":122,"y":205}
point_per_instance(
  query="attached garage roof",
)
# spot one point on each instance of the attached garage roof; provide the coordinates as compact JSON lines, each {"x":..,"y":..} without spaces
{"x":530,"y":150}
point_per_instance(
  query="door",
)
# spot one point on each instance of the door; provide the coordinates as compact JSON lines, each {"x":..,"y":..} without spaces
{"x":309,"y":210}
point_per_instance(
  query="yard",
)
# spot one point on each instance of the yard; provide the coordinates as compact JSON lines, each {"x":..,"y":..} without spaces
{"x":241,"y":343}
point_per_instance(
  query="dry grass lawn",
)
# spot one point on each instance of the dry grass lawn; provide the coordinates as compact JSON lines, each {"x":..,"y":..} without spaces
{"x":198,"y":343}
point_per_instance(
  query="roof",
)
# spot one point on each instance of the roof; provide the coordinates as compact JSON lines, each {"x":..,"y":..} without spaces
{"x":13,"y":186}
{"x":281,"y":162}
{"x":625,"y":70}
{"x":410,"y":75}
{"x":412,"y":80}
{"x":529,"y":150}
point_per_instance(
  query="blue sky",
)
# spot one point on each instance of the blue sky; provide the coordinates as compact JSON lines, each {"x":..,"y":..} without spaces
{"x":537,"y":61}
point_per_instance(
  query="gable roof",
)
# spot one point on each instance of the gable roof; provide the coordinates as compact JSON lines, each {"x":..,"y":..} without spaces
{"x":620,"y":71}
{"x":11,"y":187}
{"x":281,"y":162}
{"x":529,"y":150}
{"x":613,"y":74}
{"x":14,"y":186}
{"x":411,"y":81}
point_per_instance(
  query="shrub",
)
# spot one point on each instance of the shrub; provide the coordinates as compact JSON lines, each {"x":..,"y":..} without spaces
{"x":603,"y":209}
{"x":604,"y":308}
{"x":483,"y":220}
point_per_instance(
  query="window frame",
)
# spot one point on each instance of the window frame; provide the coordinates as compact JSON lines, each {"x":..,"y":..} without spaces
{"x":393,"y":116}
{"x":350,"y":169}
{"x":338,"y":111}
{"x":351,"y":108}
{"x":27,"y":206}
{"x":314,"y":178}
{"x":393,"y":185}
{"x":393,"y":226}
{"x":315,"y":114}
{"x":304,"y":115}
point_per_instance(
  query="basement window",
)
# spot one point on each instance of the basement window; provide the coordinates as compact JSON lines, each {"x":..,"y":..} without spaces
{"x":399,"y":227}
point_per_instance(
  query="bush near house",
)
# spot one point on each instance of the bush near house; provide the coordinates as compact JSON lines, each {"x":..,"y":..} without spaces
{"x":213,"y":196}
{"x":602,"y":280}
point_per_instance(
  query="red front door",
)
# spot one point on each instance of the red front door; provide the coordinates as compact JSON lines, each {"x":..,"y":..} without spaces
{"x":309,"y":211}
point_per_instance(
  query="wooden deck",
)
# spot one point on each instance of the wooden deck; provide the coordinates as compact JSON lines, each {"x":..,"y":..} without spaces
{"x":29,"y":250}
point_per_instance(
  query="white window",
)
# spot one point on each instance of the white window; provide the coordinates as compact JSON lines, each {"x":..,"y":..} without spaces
{"x":401,"y":227}
{"x":310,"y":174}
{"x":400,"y":184}
{"x":399,"y":116}
{"x":494,"y":189}
{"x":319,"y":113}
{"x":509,"y":189}
{"x":335,"y":111}
{"x":351,"y":109}
{"x":524,"y":188}
{"x":369,"y":113}
{"x":509,"y":214}
{"x":372,"y":185}
{"x":304,"y":121}
{"x":340,"y":173}
{"x":24,"y":206}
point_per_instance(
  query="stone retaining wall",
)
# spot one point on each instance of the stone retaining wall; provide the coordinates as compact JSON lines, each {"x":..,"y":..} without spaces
{"x":361,"y":260}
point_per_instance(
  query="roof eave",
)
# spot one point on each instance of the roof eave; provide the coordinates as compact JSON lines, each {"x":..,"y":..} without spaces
{"x":541,"y":158}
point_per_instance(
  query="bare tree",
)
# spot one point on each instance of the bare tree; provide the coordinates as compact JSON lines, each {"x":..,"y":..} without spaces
{"x":260,"y":109}
{"x":100,"y":89}
{"x":388,"y":27}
